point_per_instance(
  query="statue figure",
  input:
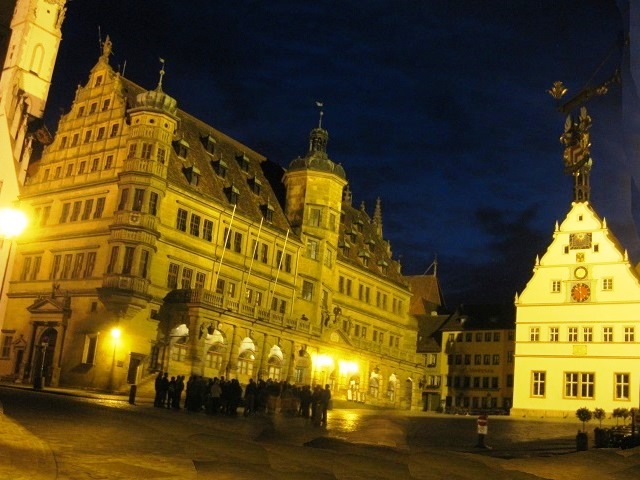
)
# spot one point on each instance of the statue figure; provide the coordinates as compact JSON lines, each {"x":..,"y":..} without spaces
{"x":577,"y":143}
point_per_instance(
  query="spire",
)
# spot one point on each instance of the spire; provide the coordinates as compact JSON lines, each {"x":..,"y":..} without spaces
{"x":377,"y":217}
{"x":347,"y":197}
{"x":320,"y":105}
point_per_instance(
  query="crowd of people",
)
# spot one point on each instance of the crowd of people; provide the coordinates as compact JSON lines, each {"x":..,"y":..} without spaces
{"x":220,"y":396}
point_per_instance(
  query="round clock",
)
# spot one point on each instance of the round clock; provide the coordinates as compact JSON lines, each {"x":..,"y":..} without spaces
{"x":580,"y":292}
{"x":580,"y":273}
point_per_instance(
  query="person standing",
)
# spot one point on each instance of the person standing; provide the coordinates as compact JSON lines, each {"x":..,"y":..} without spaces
{"x":325,"y":398}
{"x":250,"y":393}
{"x":157,"y":402}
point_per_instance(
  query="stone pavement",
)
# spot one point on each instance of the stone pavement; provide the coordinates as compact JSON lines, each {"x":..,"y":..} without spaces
{"x":284,"y":450}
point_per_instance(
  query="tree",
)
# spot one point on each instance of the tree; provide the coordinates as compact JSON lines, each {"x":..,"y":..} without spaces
{"x":599,"y":414}
{"x":584,"y":415}
{"x":621,"y":413}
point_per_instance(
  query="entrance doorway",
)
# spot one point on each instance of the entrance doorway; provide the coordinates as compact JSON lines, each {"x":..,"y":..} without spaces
{"x":48,"y":341}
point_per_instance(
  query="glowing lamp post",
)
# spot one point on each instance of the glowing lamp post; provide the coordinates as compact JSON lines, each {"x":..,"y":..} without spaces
{"x":12,"y":224}
{"x":115,"y":336}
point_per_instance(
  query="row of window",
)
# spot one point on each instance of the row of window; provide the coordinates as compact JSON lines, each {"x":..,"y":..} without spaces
{"x":345,"y":286}
{"x":88,"y":135}
{"x":123,"y":259}
{"x":194,"y":225}
{"x":606,"y":285}
{"x":479,"y":337}
{"x":478,"y":359}
{"x":74,"y":211}
{"x":585,"y":334}
{"x":316,"y":219}
{"x":378,"y":336}
{"x":476,"y":382}
{"x":188,"y":278}
{"x":580,"y":385}
{"x":84,"y":166}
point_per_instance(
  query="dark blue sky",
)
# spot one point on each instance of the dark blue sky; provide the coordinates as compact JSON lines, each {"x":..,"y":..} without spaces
{"x":438,"y":107}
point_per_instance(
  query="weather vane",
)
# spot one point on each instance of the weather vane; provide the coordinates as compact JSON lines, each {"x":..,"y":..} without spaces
{"x":320,"y":105}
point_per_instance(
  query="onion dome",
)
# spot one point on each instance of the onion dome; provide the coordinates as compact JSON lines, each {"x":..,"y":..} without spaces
{"x":157,"y":100}
{"x":316,"y":158}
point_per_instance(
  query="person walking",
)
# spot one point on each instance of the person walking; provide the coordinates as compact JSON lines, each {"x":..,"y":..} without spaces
{"x":325,"y":399}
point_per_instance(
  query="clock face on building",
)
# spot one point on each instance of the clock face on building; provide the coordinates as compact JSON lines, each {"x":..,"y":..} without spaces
{"x":580,"y":292}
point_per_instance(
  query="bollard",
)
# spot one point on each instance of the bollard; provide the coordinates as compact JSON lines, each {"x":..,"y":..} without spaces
{"x":483,"y":428}
{"x":132,"y":394}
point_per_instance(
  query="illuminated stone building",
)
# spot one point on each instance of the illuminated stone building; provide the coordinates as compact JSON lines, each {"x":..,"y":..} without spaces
{"x":207,"y":259}
{"x":578,"y":324}
{"x":577,"y":318}
{"x":469,"y":359}
{"x":29,"y":39}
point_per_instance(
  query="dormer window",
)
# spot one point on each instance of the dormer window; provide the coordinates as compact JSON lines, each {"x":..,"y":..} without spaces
{"x":209,"y":144}
{"x":98,"y":80}
{"x":345,"y":247}
{"x":233,"y":194}
{"x":193,"y":175}
{"x":371,"y":244}
{"x":267,"y":211}
{"x":220,"y":167}
{"x":384,"y":267}
{"x":243,"y":161}
{"x":364,"y":257}
{"x":256,"y":185}
{"x":182,"y":148}
{"x":358,"y":225}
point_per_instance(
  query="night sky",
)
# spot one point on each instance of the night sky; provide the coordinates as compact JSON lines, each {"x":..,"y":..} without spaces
{"x":437,"y":107}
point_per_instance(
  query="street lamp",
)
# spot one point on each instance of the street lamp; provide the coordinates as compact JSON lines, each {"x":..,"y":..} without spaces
{"x":12,"y":224}
{"x":115,"y":335}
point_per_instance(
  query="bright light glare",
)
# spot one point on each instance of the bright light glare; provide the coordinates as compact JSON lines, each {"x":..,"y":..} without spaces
{"x":115,"y":333}
{"x":347,"y":368}
{"x":12,"y":222}
{"x":323,"y":361}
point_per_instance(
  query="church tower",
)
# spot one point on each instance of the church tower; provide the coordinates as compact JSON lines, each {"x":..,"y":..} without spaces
{"x":24,"y":85}
{"x":30,"y":35}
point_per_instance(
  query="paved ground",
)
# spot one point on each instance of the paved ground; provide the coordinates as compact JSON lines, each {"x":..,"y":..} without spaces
{"x":277,"y":447}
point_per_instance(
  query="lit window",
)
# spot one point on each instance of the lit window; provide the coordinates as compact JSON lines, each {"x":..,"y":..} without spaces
{"x":307,"y":290}
{"x":622,"y":386}
{"x":629,"y":334}
{"x":538,"y":384}
{"x":534,"y":334}
{"x":573,"y":334}
{"x":181,"y":220}
{"x":89,"y":351}
{"x":607,"y":334}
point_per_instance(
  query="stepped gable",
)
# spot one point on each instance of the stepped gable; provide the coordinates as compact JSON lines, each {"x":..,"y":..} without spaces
{"x":212,"y":186}
{"x":359,"y":234}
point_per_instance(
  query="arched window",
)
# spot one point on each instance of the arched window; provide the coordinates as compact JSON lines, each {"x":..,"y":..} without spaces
{"x":275,"y":363}
{"x":246,"y":357}
{"x":36,"y":59}
{"x":374,"y":383}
